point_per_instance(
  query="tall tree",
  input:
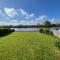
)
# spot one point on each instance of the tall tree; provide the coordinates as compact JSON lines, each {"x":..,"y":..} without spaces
{"x":47,"y":23}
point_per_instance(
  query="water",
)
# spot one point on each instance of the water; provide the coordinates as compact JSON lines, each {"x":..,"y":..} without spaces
{"x":55,"y":28}
{"x":26,"y":29}
{"x":34,"y":29}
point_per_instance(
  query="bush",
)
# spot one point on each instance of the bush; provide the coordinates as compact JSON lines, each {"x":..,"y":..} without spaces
{"x":41,"y":30}
{"x":46,"y":31}
{"x":49,"y":32}
{"x":4,"y":32}
{"x":57,"y":44}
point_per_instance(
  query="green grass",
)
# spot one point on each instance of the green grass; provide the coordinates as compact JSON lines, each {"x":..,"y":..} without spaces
{"x":28,"y":46}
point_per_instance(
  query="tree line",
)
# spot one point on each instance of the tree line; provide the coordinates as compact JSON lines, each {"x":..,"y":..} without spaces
{"x":45,"y":24}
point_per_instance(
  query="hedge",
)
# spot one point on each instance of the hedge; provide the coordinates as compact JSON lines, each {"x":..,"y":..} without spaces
{"x":4,"y":32}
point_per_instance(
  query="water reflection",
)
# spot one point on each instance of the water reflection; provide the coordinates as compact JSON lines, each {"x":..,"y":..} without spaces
{"x":26,"y":29}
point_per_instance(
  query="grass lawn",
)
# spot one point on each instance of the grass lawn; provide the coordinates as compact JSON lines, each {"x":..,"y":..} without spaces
{"x":28,"y":46}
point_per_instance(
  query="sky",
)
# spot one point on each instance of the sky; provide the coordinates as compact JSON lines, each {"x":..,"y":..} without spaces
{"x":29,"y":12}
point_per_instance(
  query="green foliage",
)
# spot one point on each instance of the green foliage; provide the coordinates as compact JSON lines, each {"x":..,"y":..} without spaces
{"x":47,"y":24}
{"x":57,"y":44}
{"x":46,"y":31}
{"x":41,"y":30}
{"x":4,"y":32}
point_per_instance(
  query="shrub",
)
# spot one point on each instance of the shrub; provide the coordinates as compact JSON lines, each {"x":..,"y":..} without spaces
{"x":41,"y":30}
{"x":49,"y":32}
{"x":57,"y":44}
{"x":4,"y":32}
{"x":46,"y":31}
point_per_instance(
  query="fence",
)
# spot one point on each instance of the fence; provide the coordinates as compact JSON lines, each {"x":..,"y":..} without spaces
{"x":56,"y":33}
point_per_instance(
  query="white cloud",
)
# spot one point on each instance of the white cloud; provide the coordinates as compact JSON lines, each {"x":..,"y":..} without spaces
{"x":11,"y":22}
{"x":3,"y":23}
{"x":38,"y":20}
{"x":10,"y":12}
{"x":14,"y":21}
{"x":32,"y":15}
{"x":25,"y":14}
{"x":29,"y":18}
{"x":43,"y":17}
{"x":52,"y":20}
{"x":27,"y":22}
{"x":35,"y":21}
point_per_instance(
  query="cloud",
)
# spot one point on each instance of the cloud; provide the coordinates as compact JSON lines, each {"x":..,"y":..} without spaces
{"x":18,"y":14}
{"x":11,"y":22}
{"x":3,"y":23}
{"x":31,"y":15}
{"x":25,"y":14}
{"x":52,"y":20}
{"x":11,"y":12}
{"x":38,"y":20}
{"x":43,"y":17}
{"x":14,"y":21}
{"x":25,"y":22}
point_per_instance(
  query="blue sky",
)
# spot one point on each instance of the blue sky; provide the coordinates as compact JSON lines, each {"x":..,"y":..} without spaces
{"x":29,"y":11}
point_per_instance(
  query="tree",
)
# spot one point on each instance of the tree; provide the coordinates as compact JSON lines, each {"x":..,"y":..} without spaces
{"x":47,"y":23}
